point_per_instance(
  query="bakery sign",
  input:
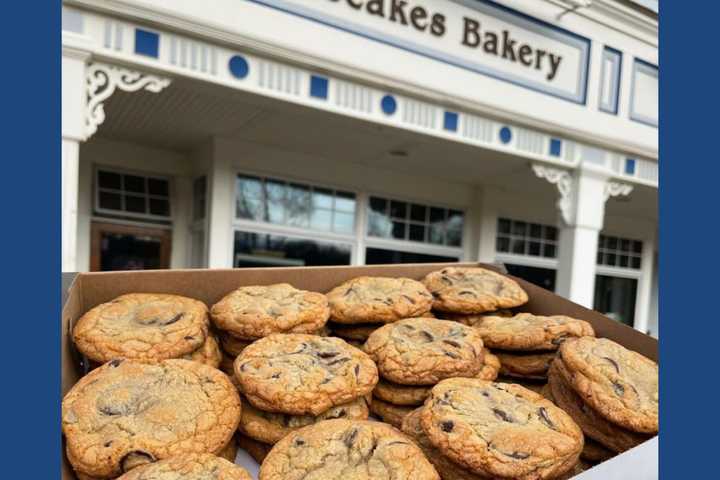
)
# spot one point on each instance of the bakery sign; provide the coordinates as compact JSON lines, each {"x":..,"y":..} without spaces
{"x":477,"y":35}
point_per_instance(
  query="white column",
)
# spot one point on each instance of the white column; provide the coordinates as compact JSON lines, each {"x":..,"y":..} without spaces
{"x":221,"y":196}
{"x":645,"y":285}
{"x":73,"y":109}
{"x":488,"y":225}
{"x":182,"y":211}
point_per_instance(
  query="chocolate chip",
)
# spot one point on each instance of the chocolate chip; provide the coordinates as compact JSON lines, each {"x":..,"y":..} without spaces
{"x":134,"y":459}
{"x":299,"y":441}
{"x":111,"y":410}
{"x":619,"y":389}
{"x":545,"y":418}
{"x":172,"y":320}
{"x":348,"y":291}
{"x":327,"y":354}
{"x":275,"y":375}
{"x":446,"y":280}
{"x":451,"y":354}
{"x":409,"y":327}
{"x":614,"y":363}
{"x":116,"y":362}
{"x":188,"y":337}
{"x":339,"y":360}
{"x":447,"y":426}
{"x":467,"y":292}
{"x":340,"y":414}
{"x":502,"y":415}
{"x":357,"y":370}
{"x":453,"y":343}
{"x":326,"y":380}
{"x":559,"y":340}
{"x":107,"y":444}
{"x":350,"y":437}
{"x":427,"y":335}
{"x":518,"y":455}
{"x":409,"y":299}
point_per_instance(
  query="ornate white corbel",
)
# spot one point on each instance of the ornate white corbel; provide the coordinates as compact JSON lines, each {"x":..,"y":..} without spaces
{"x":564,"y":182}
{"x":102,"y":80}
{"x":617,"y":189}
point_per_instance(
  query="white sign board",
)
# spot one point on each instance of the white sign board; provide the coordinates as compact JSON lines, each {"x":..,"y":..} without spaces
{"x":476,"y":35}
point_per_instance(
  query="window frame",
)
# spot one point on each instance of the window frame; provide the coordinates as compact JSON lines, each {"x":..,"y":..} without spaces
{"x":106,"y":213}
{"x":614,"y":270}
{"x":525,"y":259}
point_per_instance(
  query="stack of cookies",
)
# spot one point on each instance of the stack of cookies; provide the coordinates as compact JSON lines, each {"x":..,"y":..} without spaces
{"x":475,"y":429}
{"x":294,"y":380}
{"x":414,"y":354}
{"x":610,"y":391}
{"x":147,"y":327}
{"x":253,"y":312}
{"x":360,"y":306}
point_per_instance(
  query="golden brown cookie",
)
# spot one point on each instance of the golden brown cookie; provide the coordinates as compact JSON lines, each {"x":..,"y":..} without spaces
{"x":500,"y":429}
{"x":344,"y":449}
{"x":378,"y":300}
{"x":355,"y":331}
{"x":270,"y":428}
{"x":529,"y":332}
{"x":388,"y":412}
{"x":621,"y":385}
{"x":189,"y":467}
{"x":209,"y":353}
{"x":231,"y":345}
{"x":257,"y":450}
{"x":303,"y":374}
{"x":142,"y":326}
{"x":229,"y":451}
{"x":447,"y":469}
{"x":471,"y":319}
{"x":257,"y":311}
{"x":473,"y":290}
{"x":594,"y":452}
{"x":593,"y":424}
{"x":126,"y":414}
{"x":423,"y":351}
{"x":532,"y":365}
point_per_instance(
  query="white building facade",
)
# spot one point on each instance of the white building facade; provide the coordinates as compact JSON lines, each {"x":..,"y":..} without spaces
{"x":235,"y":133}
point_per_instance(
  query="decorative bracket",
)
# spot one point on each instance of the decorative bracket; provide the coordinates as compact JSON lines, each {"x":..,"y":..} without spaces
{"x":616,"y":189}
{"x":564,"y":182}
{"x":102,"y":80}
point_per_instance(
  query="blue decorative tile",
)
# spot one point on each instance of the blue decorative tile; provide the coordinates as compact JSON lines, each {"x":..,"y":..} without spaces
{"x":450,"y":122}
{"x":555,"y":147}
{"x":147,"y":43}
{"x":388,"y":104}
{"x":318,"y":87}
{"x":505,"y":135}
{"x":630,"y":166}
{"x":239,"y":67}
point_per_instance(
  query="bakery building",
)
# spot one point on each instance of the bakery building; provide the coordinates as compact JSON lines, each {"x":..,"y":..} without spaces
{"x":238,"y":133}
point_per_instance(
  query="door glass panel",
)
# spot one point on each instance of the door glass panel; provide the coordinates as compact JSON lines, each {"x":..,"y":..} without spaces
{"x":615,"y":297}
{"x":129,"y":252}
{"x":265,"y":250}
{"x":378,"y":256}
{"x":542,"y":277}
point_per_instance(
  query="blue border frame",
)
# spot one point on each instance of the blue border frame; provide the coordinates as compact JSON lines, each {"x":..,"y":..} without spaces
{"x":618,"y":78}
{"x":585,"y":47}
{"x":643,"y":120}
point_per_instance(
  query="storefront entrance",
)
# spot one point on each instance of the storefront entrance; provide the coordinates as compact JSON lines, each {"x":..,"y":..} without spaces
{"x":124,"y":247}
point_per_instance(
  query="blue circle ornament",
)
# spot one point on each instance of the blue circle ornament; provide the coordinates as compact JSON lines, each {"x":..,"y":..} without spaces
{"x":388,"y":104}
{"x":239,"y":67}
{"x":505,"y":135}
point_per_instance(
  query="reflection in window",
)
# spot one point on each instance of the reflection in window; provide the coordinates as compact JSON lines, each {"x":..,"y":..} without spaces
{"x":378,"y":256}
{"x":294,"y":204}
{"x":265,"y":250}
{"x":416,"y":223}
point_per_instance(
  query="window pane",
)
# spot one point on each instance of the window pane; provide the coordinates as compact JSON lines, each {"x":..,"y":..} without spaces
{"x":109,"y":180}
{"x":398,"y":210}
{"x":549,"y":251}
{"x":379,"y":225}
{"x":615,"y":297}
{"x":600,"y":258}
{"x":322,"y":198}
{"x":378,"y":204}
{"x":249,"y":202}
{"x":519,"y":228}
{"x":320,"y":219}
{"x":437,"y":215}
{"x":418,"y":213}
{"x":262,"y":250}
{"x":518,"y":246}
{"x":345,"y":202}
{"x":159,"y":206}
{"x":625,"y":245}
{"x":110,"y":201}
{"x":534,"y":249}
{"x":601,"y":241}
{"x":378,"y":256}
{"x":199,"y":193}
{"x":543,"y":277}
{"x":637,"y":246}
{"x":135,"y":204}
{"x":134,"y":183}
{"x":157,"y":186}
{"x":398,"y":230}
{"x":436,"y":234}
{"x":635,"y":262}
{"x":344,"y":222}
{"x":612,"y":243}
{"x":624,"y":261}
{"x":275,"y":194}
{"x":610,"y":259}
{"x":454,"y":228}
{"x":535,"y":230}
{"x":298,"y":205}
{"x":503,"y":244}
{"x":503,"y":225}
{"x":417,"y":233}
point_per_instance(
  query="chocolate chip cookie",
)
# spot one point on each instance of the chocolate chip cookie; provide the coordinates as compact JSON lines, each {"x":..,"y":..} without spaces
{"x":473,"y":290}
{"x":621,"y":385}
{"x":378,"y":300}
{"x":303,"y":374}
{"x":355,"y":331}
{"x":229,"y":451}
{"x":125,"y":414}
{"x":388,"y":412}
{"x":142,"y":326}
{"x":258,"y":311}
{"x":209,"y":353}
{"x":498,"y":429}
{"x":447,"y":469}
{"x":344,"y":449}
{"x":412,"y":395}
{"x":233,"y":345}
{"x":595,"y":452}
{"x":189,"y":467}
{"x":529,"y":332}
{"x":423,"y":351}
{"x":270,"y":427}
{"x":257,"y":450}
{"x":532,"y":366}
{"x":593,"y":424}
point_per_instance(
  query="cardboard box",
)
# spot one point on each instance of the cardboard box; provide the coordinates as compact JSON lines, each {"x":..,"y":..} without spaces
{"x":91,"y":289}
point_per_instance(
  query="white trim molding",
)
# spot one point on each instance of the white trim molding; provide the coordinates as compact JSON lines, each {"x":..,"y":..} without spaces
{"x":617,"y":189}
{"x":102,"y":80}
{"x":563,"y":180}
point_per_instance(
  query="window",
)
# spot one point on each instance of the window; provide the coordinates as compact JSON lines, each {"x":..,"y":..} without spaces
{"x":197,"y":226}
{"x":131,"y":195}
{"x":619,"y":252}
{"x":295,"y":205}
{"x":379,"y":256}
{"x":397,"y":220}
{"x":615,"y":297}
{"x":267,"y":250}
{"x":542,"y":277}
{"x":524,"y":238}
{"x":199,"y":198}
